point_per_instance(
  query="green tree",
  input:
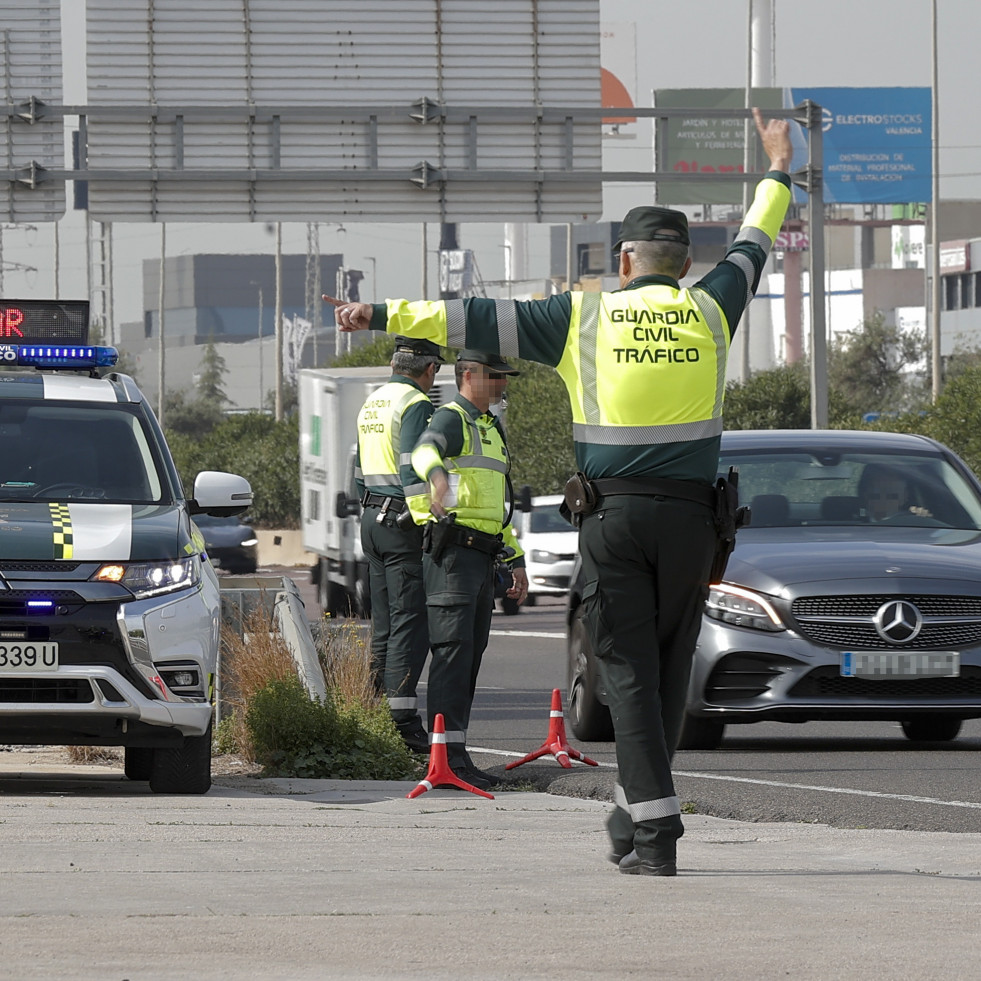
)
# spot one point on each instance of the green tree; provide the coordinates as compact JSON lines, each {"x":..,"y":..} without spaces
{"x":870,"y":367}
{"x":254,"y":445}
{"x":212,"y":376}
{"x":379,"y":351}
{"x":778,"y":398}
{"x":539,"y":428}
{"x":195,"y":417}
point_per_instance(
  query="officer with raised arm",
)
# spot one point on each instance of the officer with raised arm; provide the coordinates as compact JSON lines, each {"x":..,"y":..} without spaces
{"x":645,"y":370}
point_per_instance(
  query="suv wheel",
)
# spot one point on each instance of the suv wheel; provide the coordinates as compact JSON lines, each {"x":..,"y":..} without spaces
{"x":137,"y":762}
{"x":183,"y":769}
{"x":589,"y":718}
{"x":931,"y":729}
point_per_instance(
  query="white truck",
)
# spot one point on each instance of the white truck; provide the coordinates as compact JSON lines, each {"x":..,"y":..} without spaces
{"x":330,"y":513}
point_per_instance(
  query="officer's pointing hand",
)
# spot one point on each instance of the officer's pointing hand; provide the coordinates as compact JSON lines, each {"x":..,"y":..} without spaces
{"x":349,"y":316}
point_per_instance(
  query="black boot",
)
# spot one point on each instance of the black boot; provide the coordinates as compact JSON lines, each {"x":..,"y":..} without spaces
{"x":414,"y":735}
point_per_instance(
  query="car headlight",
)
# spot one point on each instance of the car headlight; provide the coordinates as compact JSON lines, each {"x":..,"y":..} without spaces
{"x":546,"y":558}
{"x":742,"y":608}
{"x":145,"y":579}
{"x":249,"y":542}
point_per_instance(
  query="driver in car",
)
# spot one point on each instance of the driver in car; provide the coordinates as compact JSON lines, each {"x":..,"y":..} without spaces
{"x":885,"y":493}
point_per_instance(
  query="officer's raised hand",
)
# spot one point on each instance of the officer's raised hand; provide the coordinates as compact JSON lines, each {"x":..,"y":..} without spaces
{"x":349,"y":316}
{"x":775,"y":136}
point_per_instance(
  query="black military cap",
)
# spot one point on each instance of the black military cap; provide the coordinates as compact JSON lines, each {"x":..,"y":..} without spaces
{"x":493,"y":361}
{"x":418,"y":346}
{"x":649,"y":224}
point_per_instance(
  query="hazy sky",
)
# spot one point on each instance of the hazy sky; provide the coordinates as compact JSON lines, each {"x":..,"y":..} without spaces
{"x":679,"y":44}
{"x":702,"y":44}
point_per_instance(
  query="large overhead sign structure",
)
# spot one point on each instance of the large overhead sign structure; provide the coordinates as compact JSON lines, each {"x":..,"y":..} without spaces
{"x":30,"y":76}
{"x":378,"y":110}
{"x":877,"y":143}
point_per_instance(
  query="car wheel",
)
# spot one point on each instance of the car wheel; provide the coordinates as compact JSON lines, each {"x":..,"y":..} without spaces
{"x":183,"y":769}
{"x":589,"y":718}
{"x":932,"y":729}
{"x":699,"y":733}
{"x":137,"y":762}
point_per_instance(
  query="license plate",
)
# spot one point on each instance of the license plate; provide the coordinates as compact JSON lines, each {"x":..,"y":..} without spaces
{"x":27,"y":657}
{"x":900,"y":664}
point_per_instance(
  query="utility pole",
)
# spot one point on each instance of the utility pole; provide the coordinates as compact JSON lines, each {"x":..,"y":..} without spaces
{"x":935,"y":224}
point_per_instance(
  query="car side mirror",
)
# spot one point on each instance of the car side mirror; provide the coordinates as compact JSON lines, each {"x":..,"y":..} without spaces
{"x":523,"y":502}
{"x":346,"y":507}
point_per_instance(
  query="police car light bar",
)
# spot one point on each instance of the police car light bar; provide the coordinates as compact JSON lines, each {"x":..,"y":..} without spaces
{"x":50,"y":356}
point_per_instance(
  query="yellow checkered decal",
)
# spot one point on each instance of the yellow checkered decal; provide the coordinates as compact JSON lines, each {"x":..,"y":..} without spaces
{"x":61,"y":522}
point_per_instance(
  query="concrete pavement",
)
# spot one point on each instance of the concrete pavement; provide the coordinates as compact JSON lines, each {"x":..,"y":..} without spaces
{"x":303,"y":879}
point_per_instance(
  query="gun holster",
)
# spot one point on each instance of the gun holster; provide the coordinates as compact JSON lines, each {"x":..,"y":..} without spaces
{"x":729,"y":518}
{"x":437,"y":535}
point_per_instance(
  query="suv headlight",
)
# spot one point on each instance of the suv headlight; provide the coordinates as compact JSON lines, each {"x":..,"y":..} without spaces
{"x":145,"y":579}
{"x":742,"y":608}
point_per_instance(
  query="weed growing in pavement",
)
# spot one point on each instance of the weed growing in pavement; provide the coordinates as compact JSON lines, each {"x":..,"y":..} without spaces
{"x":92,"y":754}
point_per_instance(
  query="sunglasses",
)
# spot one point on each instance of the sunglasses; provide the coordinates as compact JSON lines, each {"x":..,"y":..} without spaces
{"x":496,"y":375}
{"x":616,"y":254}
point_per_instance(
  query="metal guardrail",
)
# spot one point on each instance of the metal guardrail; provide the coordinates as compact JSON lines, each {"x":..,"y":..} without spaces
{"x":279,"y":598}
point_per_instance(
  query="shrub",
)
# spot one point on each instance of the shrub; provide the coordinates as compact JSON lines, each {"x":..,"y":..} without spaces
{"x":349,"y":735}
{"x":298,"y":736}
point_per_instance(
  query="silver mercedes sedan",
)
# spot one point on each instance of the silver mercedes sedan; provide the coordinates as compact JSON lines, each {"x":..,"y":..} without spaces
{"x":854,"y":594}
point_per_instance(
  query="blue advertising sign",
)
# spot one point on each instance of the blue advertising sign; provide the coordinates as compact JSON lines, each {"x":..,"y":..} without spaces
{"x":877,"y":143}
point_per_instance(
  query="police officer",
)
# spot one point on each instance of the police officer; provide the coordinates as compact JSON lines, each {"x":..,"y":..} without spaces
{"x":463,"y":457}
{"x":389,"y":423}
{"x":645,"y":371}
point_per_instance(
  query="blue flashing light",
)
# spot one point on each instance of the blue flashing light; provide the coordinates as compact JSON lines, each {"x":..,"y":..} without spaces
{"x":59,"y":356}
{"x":40,"y":604}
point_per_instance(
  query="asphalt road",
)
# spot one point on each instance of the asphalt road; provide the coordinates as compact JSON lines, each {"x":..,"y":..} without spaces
{"x":846,"y":775}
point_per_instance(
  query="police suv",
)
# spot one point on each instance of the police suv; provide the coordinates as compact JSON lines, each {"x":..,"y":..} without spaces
{"x":109,"y":606}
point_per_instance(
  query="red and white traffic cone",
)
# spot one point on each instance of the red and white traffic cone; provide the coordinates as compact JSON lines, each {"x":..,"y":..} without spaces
{"x":439,"y":766}
{"x":555,"y":743}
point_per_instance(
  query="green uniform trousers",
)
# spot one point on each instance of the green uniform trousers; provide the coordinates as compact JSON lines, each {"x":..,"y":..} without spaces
{"x":399,"y":626}
{"x":646,"y":561}
{"x":460,"y":598}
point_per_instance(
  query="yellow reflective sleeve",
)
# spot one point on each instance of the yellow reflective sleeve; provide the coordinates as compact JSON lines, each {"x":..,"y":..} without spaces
{"x":511,"y":539}
{"x":418,"y":318}
{"x":425,"y":458}
{"x":769,"y":207}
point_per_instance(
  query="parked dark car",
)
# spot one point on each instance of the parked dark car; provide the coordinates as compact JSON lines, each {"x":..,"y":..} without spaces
{"x":855,"y":593}
{"x":231,"y":545}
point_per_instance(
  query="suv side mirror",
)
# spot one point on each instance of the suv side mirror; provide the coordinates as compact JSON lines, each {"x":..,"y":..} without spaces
{"x":523,"y":502}
{"x":346,"y":507}
{"x":220,"y":494}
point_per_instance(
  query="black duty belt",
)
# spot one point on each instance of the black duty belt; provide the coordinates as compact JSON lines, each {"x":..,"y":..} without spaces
{"x":482,"y":541}
{"x":396,"y":505}
{"x":684,"y":490}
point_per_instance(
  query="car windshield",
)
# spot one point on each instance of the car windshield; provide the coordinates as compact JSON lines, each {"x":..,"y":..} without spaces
{"x":787,"y":488}
{"x":547,"y":518}
{"x":66,"y":451}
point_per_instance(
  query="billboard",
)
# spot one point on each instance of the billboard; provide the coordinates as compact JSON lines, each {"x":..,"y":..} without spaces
{"x":877,"y":142}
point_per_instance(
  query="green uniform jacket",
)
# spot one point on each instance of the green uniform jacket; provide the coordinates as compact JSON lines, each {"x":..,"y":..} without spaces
{"x":644,"y":366}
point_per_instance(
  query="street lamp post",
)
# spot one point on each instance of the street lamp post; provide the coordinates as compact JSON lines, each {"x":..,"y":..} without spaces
{"x":374,"y":281}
